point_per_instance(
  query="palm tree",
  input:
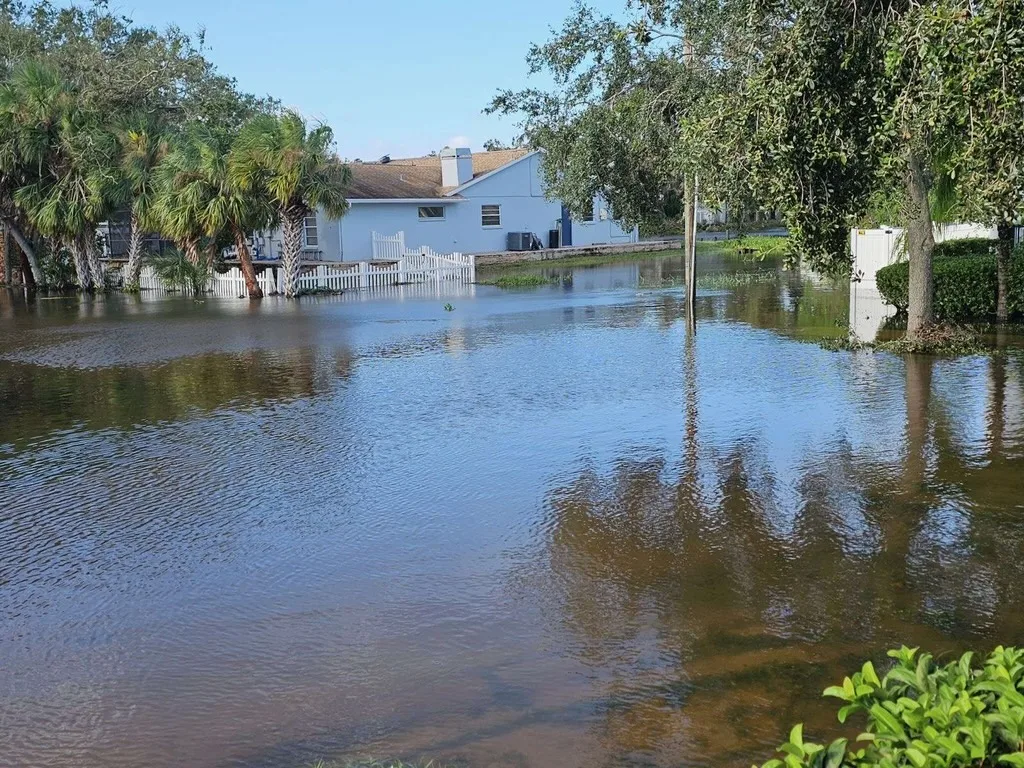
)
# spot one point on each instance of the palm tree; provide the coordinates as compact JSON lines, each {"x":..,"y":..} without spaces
{"x":300,"y":172}
{"x":181,"y":196}
{"x":73,"y":185}
{"x":143,"y":144}
{"x":32,"y":101}
{"x":199,"y":201}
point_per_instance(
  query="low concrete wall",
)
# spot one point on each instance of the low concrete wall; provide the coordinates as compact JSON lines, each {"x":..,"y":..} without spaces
{"x":571,"y":252}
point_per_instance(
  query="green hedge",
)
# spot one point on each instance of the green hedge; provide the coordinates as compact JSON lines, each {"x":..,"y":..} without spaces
{"x":964,"y":278}
{"x":920,"y":714}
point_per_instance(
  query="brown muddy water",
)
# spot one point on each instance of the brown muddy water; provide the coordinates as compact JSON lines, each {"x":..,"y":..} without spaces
{"x":541,"y":529}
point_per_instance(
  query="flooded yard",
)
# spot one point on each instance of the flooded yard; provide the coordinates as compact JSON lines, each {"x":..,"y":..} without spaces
{"x":543,"y":528}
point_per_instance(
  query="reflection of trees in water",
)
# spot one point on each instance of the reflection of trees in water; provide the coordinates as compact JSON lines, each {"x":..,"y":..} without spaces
{"x":39,"y":399}
{"x":713,"y":598}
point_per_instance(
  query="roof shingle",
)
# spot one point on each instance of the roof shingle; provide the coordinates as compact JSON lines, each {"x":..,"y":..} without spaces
{"x":417,"y":177}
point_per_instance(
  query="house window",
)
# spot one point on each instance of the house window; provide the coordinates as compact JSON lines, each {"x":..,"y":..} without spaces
{"x":309,"y":233}
{"x":431,"y":212}
{"x":490,"y":215}
{"x":588,"y":217}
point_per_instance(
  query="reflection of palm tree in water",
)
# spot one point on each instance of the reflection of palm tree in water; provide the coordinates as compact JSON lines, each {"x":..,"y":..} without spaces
{"x":713,"y":602}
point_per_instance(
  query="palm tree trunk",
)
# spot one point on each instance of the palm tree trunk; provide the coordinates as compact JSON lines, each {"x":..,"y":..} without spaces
{"x":26,"y":271}
{"x":6,"y":256}
{"x":191,"y":249}
{"x":133,"y":269}
{"x":92,"y":254}
{"x":245,"y":261}
{"x":76,"y":247}
{"x":1004,"y":247}
{"x":28,"y":252}
{"x":291,"y":230}
{"x":920,"y":244}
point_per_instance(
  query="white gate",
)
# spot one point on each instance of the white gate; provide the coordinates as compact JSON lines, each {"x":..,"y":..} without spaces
{"x":388,"y":247}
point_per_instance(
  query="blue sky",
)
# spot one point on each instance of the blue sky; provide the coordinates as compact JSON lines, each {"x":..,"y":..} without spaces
{"x":390,"y":76}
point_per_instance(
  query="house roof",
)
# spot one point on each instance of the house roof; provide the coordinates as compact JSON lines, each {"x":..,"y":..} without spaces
{"x":418,"y":177}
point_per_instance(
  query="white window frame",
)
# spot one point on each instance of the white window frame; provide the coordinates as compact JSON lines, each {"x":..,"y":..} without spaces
{"x":495,"y":212}
{"x":592,"y":219}
{"x":305,"y":233}
{"x":421,"y":217}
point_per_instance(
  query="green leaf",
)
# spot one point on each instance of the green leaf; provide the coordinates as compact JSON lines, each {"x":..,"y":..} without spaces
{"x":868,"y":674}
{"x":888,"y":721}
{"x":796,"y":736}
{"x":916,"y":757}
{"x":835,"y":754}
{"x":836,"y":691}
{"x":1016,"y":759}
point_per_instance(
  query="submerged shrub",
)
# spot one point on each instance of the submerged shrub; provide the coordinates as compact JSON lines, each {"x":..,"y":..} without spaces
{"x":177,"y":273}
{"x":925,"y":715}
{"x":965,"y":282}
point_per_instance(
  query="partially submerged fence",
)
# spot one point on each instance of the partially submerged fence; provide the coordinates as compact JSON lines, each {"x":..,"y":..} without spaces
{"x":421,"y":266}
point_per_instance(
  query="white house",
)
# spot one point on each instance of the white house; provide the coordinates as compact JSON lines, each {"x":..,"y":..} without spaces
{"x":457,"y":201}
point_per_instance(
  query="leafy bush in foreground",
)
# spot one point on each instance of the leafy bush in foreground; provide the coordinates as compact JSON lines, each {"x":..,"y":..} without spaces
{"x":925,"y":715}
{"x":965,"y":281}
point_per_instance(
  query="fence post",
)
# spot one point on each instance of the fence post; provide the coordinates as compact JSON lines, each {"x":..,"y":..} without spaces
{"x":364,"y":276}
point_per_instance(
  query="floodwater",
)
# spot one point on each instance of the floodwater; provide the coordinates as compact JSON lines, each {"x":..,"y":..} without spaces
{"x":543,"y":528}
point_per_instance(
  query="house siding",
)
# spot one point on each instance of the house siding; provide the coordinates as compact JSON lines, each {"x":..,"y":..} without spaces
{"x":517,"y":188}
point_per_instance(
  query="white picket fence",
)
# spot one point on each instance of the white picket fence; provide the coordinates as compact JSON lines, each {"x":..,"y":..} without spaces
{"x":421,"y":266}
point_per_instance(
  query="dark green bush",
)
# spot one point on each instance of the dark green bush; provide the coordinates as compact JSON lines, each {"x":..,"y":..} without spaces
{"x":969,"y":246}
{"x":964,"y":279}
{"x":921,"y":714}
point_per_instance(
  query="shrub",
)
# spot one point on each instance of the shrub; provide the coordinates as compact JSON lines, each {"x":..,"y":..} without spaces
{"x":177,"y":273}
{"x":968,"y":246}
{"x":964,"y":280}
{"x":58,"y":270}
{"x":925,"y":715}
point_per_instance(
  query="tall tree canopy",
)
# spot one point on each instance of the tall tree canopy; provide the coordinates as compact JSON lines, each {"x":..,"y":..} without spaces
{"x":817,"y":108}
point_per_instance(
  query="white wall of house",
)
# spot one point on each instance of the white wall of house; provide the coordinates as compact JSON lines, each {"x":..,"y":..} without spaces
{"x":518,"y":191}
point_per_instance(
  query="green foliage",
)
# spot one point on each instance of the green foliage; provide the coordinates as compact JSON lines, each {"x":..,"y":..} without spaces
{"x":519,"y":281}
{"x":58,"y":270}
{"x":294,"y":163}
{"x":921,"y":714}
{"x":964,"y":276}
{"x":178,"y":273}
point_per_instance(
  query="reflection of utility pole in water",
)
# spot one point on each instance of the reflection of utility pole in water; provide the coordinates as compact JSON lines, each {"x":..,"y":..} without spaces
{"x":690,"y":395}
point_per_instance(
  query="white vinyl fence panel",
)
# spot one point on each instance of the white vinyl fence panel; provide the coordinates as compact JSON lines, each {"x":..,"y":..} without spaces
{"x":420,"y":266}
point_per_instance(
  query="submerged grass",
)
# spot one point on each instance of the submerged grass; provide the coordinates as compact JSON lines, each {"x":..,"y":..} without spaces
{"x":518,"y":281}
{"x":940,"y":340}
{"x":714,"y":280}
{"x":373,"y":763}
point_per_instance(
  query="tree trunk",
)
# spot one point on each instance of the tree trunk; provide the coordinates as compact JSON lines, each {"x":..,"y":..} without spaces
{"x":28,"y":252}
{"x":1004,"y":247}
{"x":6,"y":257}
{"x":689,"y":258}
{"x":291,"y":229}
{"x":92,"y":254}
{"x":920,"y":244}
{"x":133,"y":268}
{"x":27,"y":274}
{"x":245,"y":262}
{"x":191,"y":249}
{"x":77,"y":248}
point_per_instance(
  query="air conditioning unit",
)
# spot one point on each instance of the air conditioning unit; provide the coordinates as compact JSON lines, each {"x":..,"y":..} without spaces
{"x":519,"y":241}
